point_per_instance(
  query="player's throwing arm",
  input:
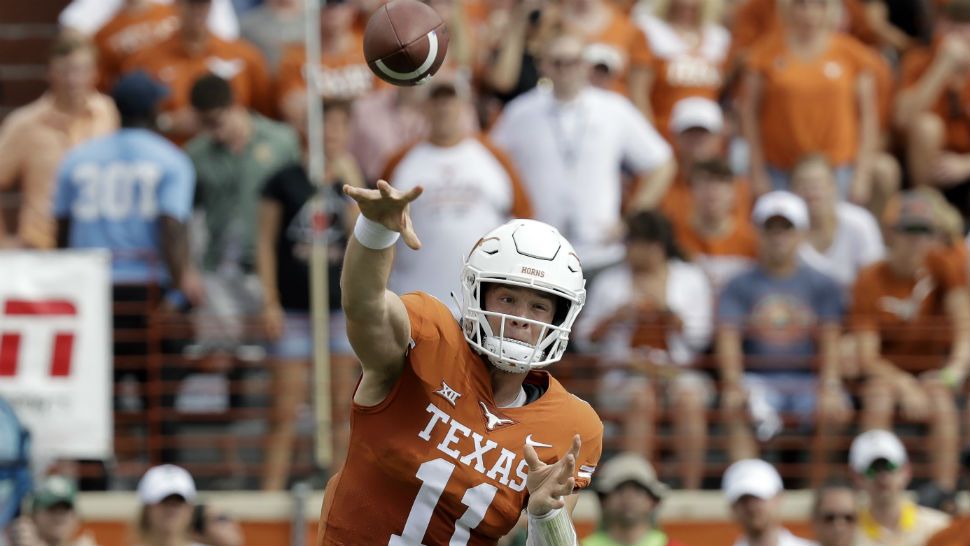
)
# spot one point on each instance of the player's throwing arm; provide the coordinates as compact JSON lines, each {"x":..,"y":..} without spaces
{"x":377,"y":322}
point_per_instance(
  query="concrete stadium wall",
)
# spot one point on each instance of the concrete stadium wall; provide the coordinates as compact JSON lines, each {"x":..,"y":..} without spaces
{"x":696,"y":518}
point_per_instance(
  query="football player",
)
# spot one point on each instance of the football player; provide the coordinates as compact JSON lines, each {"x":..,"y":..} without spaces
{"x":454,"y":429}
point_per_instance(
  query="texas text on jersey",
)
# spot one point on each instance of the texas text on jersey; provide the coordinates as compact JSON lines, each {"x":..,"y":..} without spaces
{"x":437,"y":462}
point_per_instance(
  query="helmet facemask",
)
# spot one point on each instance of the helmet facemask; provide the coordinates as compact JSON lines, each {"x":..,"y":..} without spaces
{"x":523,"y":254}
{"x":508,"y":354}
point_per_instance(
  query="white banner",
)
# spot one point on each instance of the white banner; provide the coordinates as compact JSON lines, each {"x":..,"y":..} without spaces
{"x":55,"y":349}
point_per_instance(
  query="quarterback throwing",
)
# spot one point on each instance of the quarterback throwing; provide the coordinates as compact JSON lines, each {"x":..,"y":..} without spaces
{"x":454,"y":429}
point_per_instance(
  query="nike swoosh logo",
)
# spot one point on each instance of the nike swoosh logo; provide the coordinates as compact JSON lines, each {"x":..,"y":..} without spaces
{"x":530,"y":442}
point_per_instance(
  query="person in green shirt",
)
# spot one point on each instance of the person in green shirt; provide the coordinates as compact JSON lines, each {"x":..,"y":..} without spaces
{"x":234,"y":156}
{"x":630,"y":495}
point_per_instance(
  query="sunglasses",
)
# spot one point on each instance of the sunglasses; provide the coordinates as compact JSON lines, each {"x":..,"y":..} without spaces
{"x":565,"y":62}
{"x":915,"y":229}
{"x":832,"y":517}
{"x":881,"y":466}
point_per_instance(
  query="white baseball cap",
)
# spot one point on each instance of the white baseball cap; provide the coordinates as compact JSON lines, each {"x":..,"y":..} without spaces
{"x":873,"y":445}
{"x":163,"y":481}
{"x":751,"y":477}
{"x":603,"y":55}
{"x":696,"y":112}
{"x":780,"y":203}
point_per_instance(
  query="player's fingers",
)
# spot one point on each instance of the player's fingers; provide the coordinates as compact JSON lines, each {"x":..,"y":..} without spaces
{"x":356,"y":193}
{"x":567,"y":469}
{"x":413,"y":194}
{"x":384,"y":188}
{"x":407,"y":231}
{"x":531,"y":458}
{"x":577,"y":444}
{"x":567,"y":488}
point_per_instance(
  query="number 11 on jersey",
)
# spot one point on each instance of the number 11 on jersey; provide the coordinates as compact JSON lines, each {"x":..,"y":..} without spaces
{"x":434,"y":476}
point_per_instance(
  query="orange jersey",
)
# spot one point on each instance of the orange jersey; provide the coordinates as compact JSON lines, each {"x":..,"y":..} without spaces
{"x":957,"y":534}
{"x":129,"y":32}
{"x":681,"y":70}
{"x":756,"y":19}
{"x":908,"y":314}
{"x":342,"y":76}
{"x":236,"y":61}
{"x":722,"y":257}
{"x":809,"y":106}
{"x":436,"y":462}
{"x":624,"y":41}
{"x":678,"y":203}
{"x":953,"y":104}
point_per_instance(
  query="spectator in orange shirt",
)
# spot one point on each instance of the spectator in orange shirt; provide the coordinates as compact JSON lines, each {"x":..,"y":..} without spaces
{"x":343,"y":73}
{"x":193,"y":52}
{"x":613,"y":43}
{"x":810,"y":89}
{"x":697,"y":126}
{"x":687,"y":52}
{"x":34,"y":138}
{"x":714,"y":234}
{"x":755,"y":19}
{"x":911,"y":313}
{"x":139,"y":25}
{"x":932,"y":108}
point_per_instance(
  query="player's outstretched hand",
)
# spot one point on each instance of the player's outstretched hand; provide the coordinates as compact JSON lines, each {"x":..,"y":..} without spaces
{"x":549,"y":483}
{"x":388,"y":207}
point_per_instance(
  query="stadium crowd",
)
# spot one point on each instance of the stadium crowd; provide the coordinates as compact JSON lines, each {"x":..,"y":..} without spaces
{"x":770,"y":199}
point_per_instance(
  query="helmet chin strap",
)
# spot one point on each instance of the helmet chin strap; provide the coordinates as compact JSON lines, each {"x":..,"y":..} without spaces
{"x":512,"y":349}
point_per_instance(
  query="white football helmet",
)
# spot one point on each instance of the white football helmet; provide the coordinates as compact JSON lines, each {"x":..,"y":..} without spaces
{"x":529,"y":254}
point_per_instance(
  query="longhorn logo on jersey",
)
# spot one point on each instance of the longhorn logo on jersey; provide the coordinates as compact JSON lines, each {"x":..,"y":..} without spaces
{"x":492,"y":420}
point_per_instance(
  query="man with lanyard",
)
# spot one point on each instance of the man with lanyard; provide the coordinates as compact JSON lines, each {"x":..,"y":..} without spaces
{"x":571,"y":143}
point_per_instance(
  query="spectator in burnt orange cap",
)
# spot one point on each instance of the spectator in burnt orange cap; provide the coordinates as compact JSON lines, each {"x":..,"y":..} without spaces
{"x":193,"y":52}
{"x":911,"y":320}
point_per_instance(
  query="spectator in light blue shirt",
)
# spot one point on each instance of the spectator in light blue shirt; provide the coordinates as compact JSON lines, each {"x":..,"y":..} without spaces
{"x":777,"y":333}
{"x":131,"y":192}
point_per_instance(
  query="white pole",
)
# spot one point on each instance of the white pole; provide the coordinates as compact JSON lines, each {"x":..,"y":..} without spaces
{"x":319,"y":284}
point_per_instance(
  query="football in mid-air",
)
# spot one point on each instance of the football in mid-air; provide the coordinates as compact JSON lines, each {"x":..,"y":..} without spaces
{"x":405,"y":42}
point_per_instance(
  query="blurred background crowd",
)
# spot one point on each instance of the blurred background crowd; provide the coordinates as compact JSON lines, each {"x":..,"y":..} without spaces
{"x":770,"y":199}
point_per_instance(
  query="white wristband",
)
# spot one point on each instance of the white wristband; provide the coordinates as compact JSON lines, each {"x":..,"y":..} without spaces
{"x":373,"y":235}
{"x":551,"y":529}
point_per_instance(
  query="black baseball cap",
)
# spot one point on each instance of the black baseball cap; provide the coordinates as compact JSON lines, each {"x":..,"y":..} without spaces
{"x":137,"y":94}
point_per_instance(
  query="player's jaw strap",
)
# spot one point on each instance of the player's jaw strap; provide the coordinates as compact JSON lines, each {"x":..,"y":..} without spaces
{"x":551,"y":529}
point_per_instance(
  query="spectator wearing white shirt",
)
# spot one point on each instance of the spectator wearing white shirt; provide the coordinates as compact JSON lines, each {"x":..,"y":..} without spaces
{"x":654,"y":310}
{"x":842,"y":238}
{"x":468,"y":185}
{"x":570,"y":142}
{"x":754,"y":490}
